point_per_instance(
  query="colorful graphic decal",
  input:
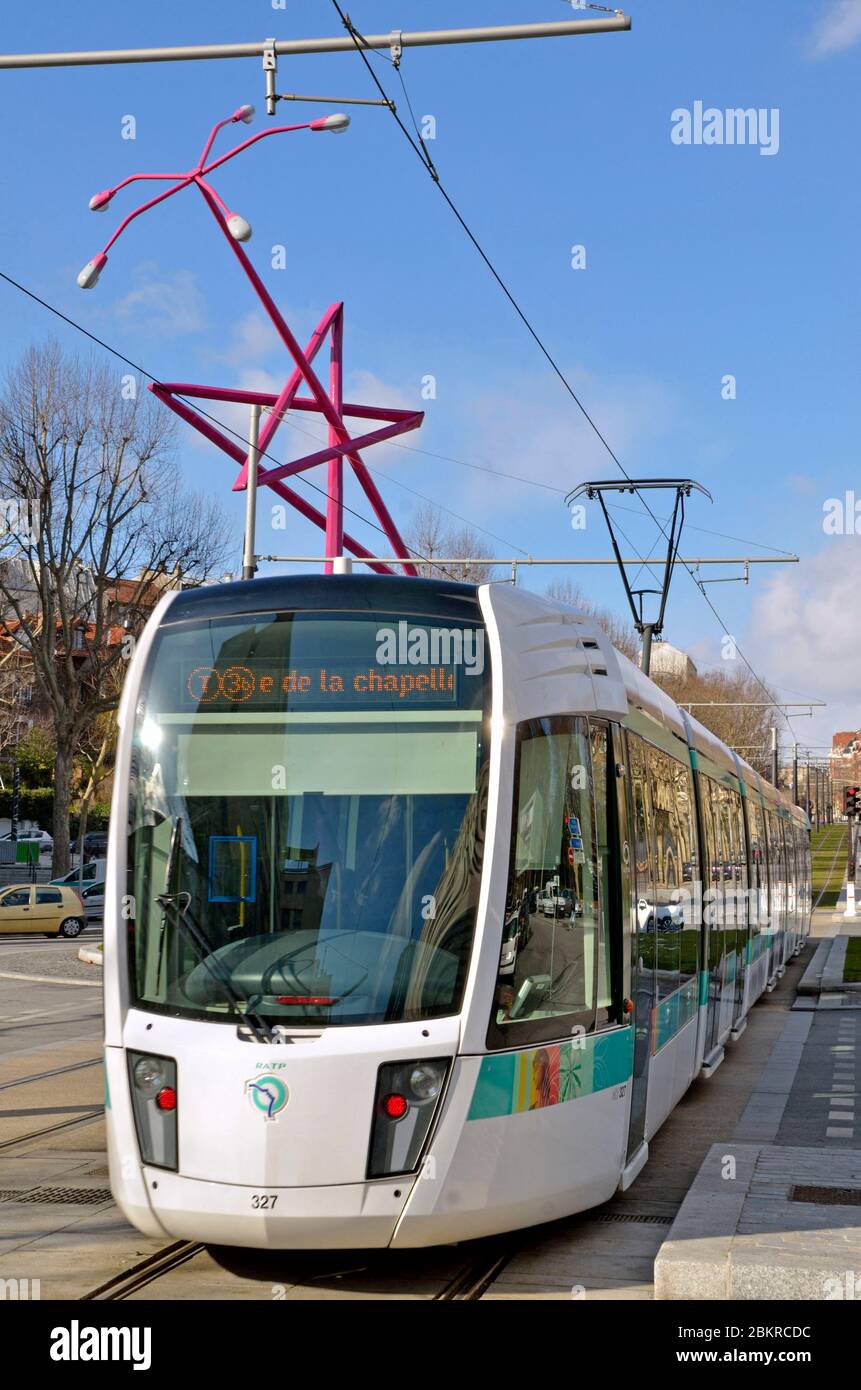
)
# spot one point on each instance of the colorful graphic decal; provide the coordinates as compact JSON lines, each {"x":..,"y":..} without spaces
{"x":511,"y":1082}
{"x":267,"y":1094}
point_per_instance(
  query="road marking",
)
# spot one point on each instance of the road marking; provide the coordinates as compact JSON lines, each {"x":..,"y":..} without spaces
{"x":50,"y":980}
{"x":832,"y":1132}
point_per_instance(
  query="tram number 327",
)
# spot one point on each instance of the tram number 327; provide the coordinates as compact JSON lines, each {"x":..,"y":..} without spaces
{"x":262,"y":1201}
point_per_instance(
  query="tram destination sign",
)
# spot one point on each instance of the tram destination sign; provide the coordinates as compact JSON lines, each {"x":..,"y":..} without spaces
{"x":254,"y":685}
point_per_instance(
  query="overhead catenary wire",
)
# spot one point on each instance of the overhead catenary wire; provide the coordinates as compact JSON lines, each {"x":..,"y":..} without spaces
{"x":421,"y":152}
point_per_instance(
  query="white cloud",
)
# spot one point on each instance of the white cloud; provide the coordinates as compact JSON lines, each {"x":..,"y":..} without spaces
{"x":527,"y":428}
{"x":837,"y":28}
{"x":805,"y":634}
{"x":251,"y":339}
{"x":164,"y":303}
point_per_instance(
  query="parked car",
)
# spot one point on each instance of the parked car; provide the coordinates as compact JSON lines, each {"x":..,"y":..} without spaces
{"x":668,"y":916}
{"x":95,"y":843}
{"x":45,"y":841}
{"x":51,"y":909}
{"x":510,"y":944}
{"x":516,"y":934}
{"x":91,"y":872}
{"x":560,"y":903}
{"x":94,"y":900}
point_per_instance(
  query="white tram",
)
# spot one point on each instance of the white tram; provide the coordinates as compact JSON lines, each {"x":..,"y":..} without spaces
{"x":424,"y":909}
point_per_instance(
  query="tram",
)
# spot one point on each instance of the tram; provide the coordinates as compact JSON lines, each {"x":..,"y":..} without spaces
{"x":424,"y":908}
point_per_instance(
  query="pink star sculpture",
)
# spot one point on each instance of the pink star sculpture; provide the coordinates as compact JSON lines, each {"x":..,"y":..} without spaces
{"x":331,"y":405}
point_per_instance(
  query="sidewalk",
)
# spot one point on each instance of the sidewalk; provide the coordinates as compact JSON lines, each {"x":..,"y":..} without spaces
{"x":775,"y":1210}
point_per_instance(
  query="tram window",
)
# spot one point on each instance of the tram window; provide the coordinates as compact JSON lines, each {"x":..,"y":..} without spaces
{"x":778,"y":873}
{"x":314,"y":789}
{"x":758,"y":867}
{"x":713,"y":881}
{"x":599,"y":753}
{"x":550,"y":972}
{"x":796,"y":874}
{"x":737,"y":849}
{"x":672,"y":852}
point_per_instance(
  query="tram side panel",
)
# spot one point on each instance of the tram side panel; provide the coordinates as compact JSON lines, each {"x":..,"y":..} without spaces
{"x":527,"y":1134}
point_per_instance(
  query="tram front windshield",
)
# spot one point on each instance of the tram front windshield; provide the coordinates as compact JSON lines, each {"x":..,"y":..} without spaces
{"x":306,"y":817}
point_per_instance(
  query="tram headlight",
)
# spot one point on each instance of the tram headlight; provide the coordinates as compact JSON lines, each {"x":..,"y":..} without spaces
{"x":154,"y":1103}
{"x":407,"y":1098}
{"x":426,"y":1080}
{"x":149,"y":1076}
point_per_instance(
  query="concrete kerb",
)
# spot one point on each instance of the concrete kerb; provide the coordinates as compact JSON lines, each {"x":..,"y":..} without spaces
{"x":832,"y":981}
{"x":755,"y":1242}
{"x":811,"y":980}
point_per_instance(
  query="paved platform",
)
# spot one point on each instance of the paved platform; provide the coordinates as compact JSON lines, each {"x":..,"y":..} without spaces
{"x":766,"y":1222}
{"x":775,"y":1209}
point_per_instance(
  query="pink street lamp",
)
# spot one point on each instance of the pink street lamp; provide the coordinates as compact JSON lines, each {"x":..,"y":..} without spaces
{"x":331,"y":405}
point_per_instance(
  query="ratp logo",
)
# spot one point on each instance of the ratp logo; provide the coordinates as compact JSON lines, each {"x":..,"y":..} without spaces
{"x":267,"y":1094}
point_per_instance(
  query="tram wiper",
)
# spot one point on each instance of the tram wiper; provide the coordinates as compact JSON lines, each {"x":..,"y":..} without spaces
{"x":176,"y":907}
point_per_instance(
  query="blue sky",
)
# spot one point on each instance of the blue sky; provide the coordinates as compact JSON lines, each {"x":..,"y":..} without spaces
{"x":701,"y":261}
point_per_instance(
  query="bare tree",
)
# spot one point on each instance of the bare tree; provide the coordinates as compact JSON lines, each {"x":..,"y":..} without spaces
{"x":431,"y":535}
{"x":731,"y":705}
{"x":90,"y":475}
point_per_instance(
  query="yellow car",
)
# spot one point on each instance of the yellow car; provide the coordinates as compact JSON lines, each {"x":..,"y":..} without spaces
{"x":52,"y":909}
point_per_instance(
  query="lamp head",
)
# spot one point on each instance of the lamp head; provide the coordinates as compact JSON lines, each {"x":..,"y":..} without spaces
{"x":99,"y":201}
{"x":91,"y":271}
{"x":337,"y":123}
{"x":244,"y":113}
{"x":238,"y":228}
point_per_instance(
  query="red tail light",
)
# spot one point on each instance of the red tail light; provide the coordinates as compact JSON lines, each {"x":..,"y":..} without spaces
{"x":395,"y":1106}
{"x":305,"y":999}
{"x":166,"y":1098}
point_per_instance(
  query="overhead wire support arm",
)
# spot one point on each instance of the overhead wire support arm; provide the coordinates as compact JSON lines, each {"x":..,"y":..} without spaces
{"x":281,"y":48}
{"x":335,"y":101}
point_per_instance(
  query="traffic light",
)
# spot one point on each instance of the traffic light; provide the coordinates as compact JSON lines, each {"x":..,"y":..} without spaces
{"x":851,"y":801}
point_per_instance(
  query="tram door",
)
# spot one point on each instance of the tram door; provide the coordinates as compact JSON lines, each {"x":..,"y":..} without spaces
{"x":644,"y":938}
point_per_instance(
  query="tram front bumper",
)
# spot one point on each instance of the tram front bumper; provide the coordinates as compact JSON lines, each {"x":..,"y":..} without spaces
{"x":350,"y":1216}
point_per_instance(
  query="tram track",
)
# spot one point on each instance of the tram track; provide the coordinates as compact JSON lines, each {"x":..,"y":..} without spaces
{"x":89,"y":1118}
{"x":46,"y":1075}
{"x":478,"y":1274}
{"x":840,"y":850}
{"x":145,"y":1272}
{"x":467,"y":1285}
